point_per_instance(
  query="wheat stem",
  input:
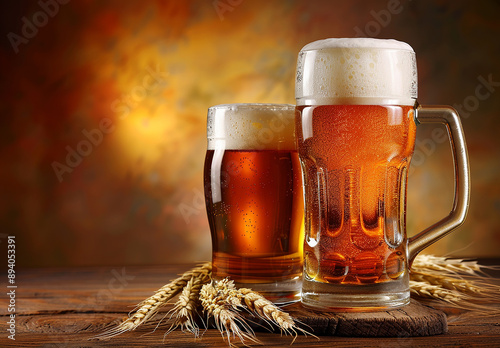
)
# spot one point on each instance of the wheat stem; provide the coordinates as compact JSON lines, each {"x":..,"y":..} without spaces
{"x":149,"y":307}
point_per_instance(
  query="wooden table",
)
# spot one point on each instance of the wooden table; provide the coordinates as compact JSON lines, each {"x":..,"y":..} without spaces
{"x":66,"y":307}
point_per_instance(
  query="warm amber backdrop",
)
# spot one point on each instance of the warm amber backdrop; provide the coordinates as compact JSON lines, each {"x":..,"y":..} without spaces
{"x":136,"y":198}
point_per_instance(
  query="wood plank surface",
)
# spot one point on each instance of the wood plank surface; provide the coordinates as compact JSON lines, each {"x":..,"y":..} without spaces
{"x":67,"y":307}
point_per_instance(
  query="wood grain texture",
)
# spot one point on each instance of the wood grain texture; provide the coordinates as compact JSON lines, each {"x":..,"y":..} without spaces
{"x":67,"y":307}
{"x":412,"y":320}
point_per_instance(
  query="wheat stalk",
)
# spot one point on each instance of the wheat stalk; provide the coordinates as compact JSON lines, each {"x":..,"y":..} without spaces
{"x":456,"y":282}
{"x":150,"y":306}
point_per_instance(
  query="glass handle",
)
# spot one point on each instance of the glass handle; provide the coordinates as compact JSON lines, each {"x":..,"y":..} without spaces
{"x":449,"y":117}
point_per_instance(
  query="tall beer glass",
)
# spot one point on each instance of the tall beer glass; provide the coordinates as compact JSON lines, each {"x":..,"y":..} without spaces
{"x":253,"y":193}
{"x":356,"y":123}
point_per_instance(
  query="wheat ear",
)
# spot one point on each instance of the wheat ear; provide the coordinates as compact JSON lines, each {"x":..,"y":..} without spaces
{"x":436,"y":292}
{"x":440,"y":265}
{"x":446,"y":282}
{"x":456,"y":282}
{"x":258,"y":305}
{"x":227,"y":319}
{"x":269,"y":312}
{"x":150,"y":306}
{"x":186,"y":306}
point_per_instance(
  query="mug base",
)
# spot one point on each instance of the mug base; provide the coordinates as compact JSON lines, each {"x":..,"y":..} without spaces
{"x":354,"y":298}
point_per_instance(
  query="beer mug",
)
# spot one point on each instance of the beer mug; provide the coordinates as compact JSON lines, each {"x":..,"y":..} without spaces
{"x":356,"y":121}
{"x":254,"y":200}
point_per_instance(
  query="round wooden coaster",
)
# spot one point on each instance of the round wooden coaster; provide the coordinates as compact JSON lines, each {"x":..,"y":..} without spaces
{"x":414,"y":319}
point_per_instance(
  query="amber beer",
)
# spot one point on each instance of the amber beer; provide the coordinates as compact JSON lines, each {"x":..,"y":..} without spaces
{"x":355,"y":174}
{"x":253,"y":192}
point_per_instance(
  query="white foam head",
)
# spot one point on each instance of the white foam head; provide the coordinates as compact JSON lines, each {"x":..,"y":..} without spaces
{"x":251,"y":127}
{"x":356,"y":71}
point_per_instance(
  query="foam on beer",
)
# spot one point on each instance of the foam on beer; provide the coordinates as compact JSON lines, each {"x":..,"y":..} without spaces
{"x":356,"y":71}
{"x":251,"y":127}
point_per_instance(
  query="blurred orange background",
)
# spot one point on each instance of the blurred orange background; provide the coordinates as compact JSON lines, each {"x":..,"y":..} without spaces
{"x":127,"y":85}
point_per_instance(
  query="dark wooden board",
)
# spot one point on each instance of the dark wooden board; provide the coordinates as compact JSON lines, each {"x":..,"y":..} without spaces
{"x":412,"y":320}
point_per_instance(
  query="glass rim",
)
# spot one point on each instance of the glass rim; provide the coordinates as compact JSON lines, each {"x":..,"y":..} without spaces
{"x":264,"y":106}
